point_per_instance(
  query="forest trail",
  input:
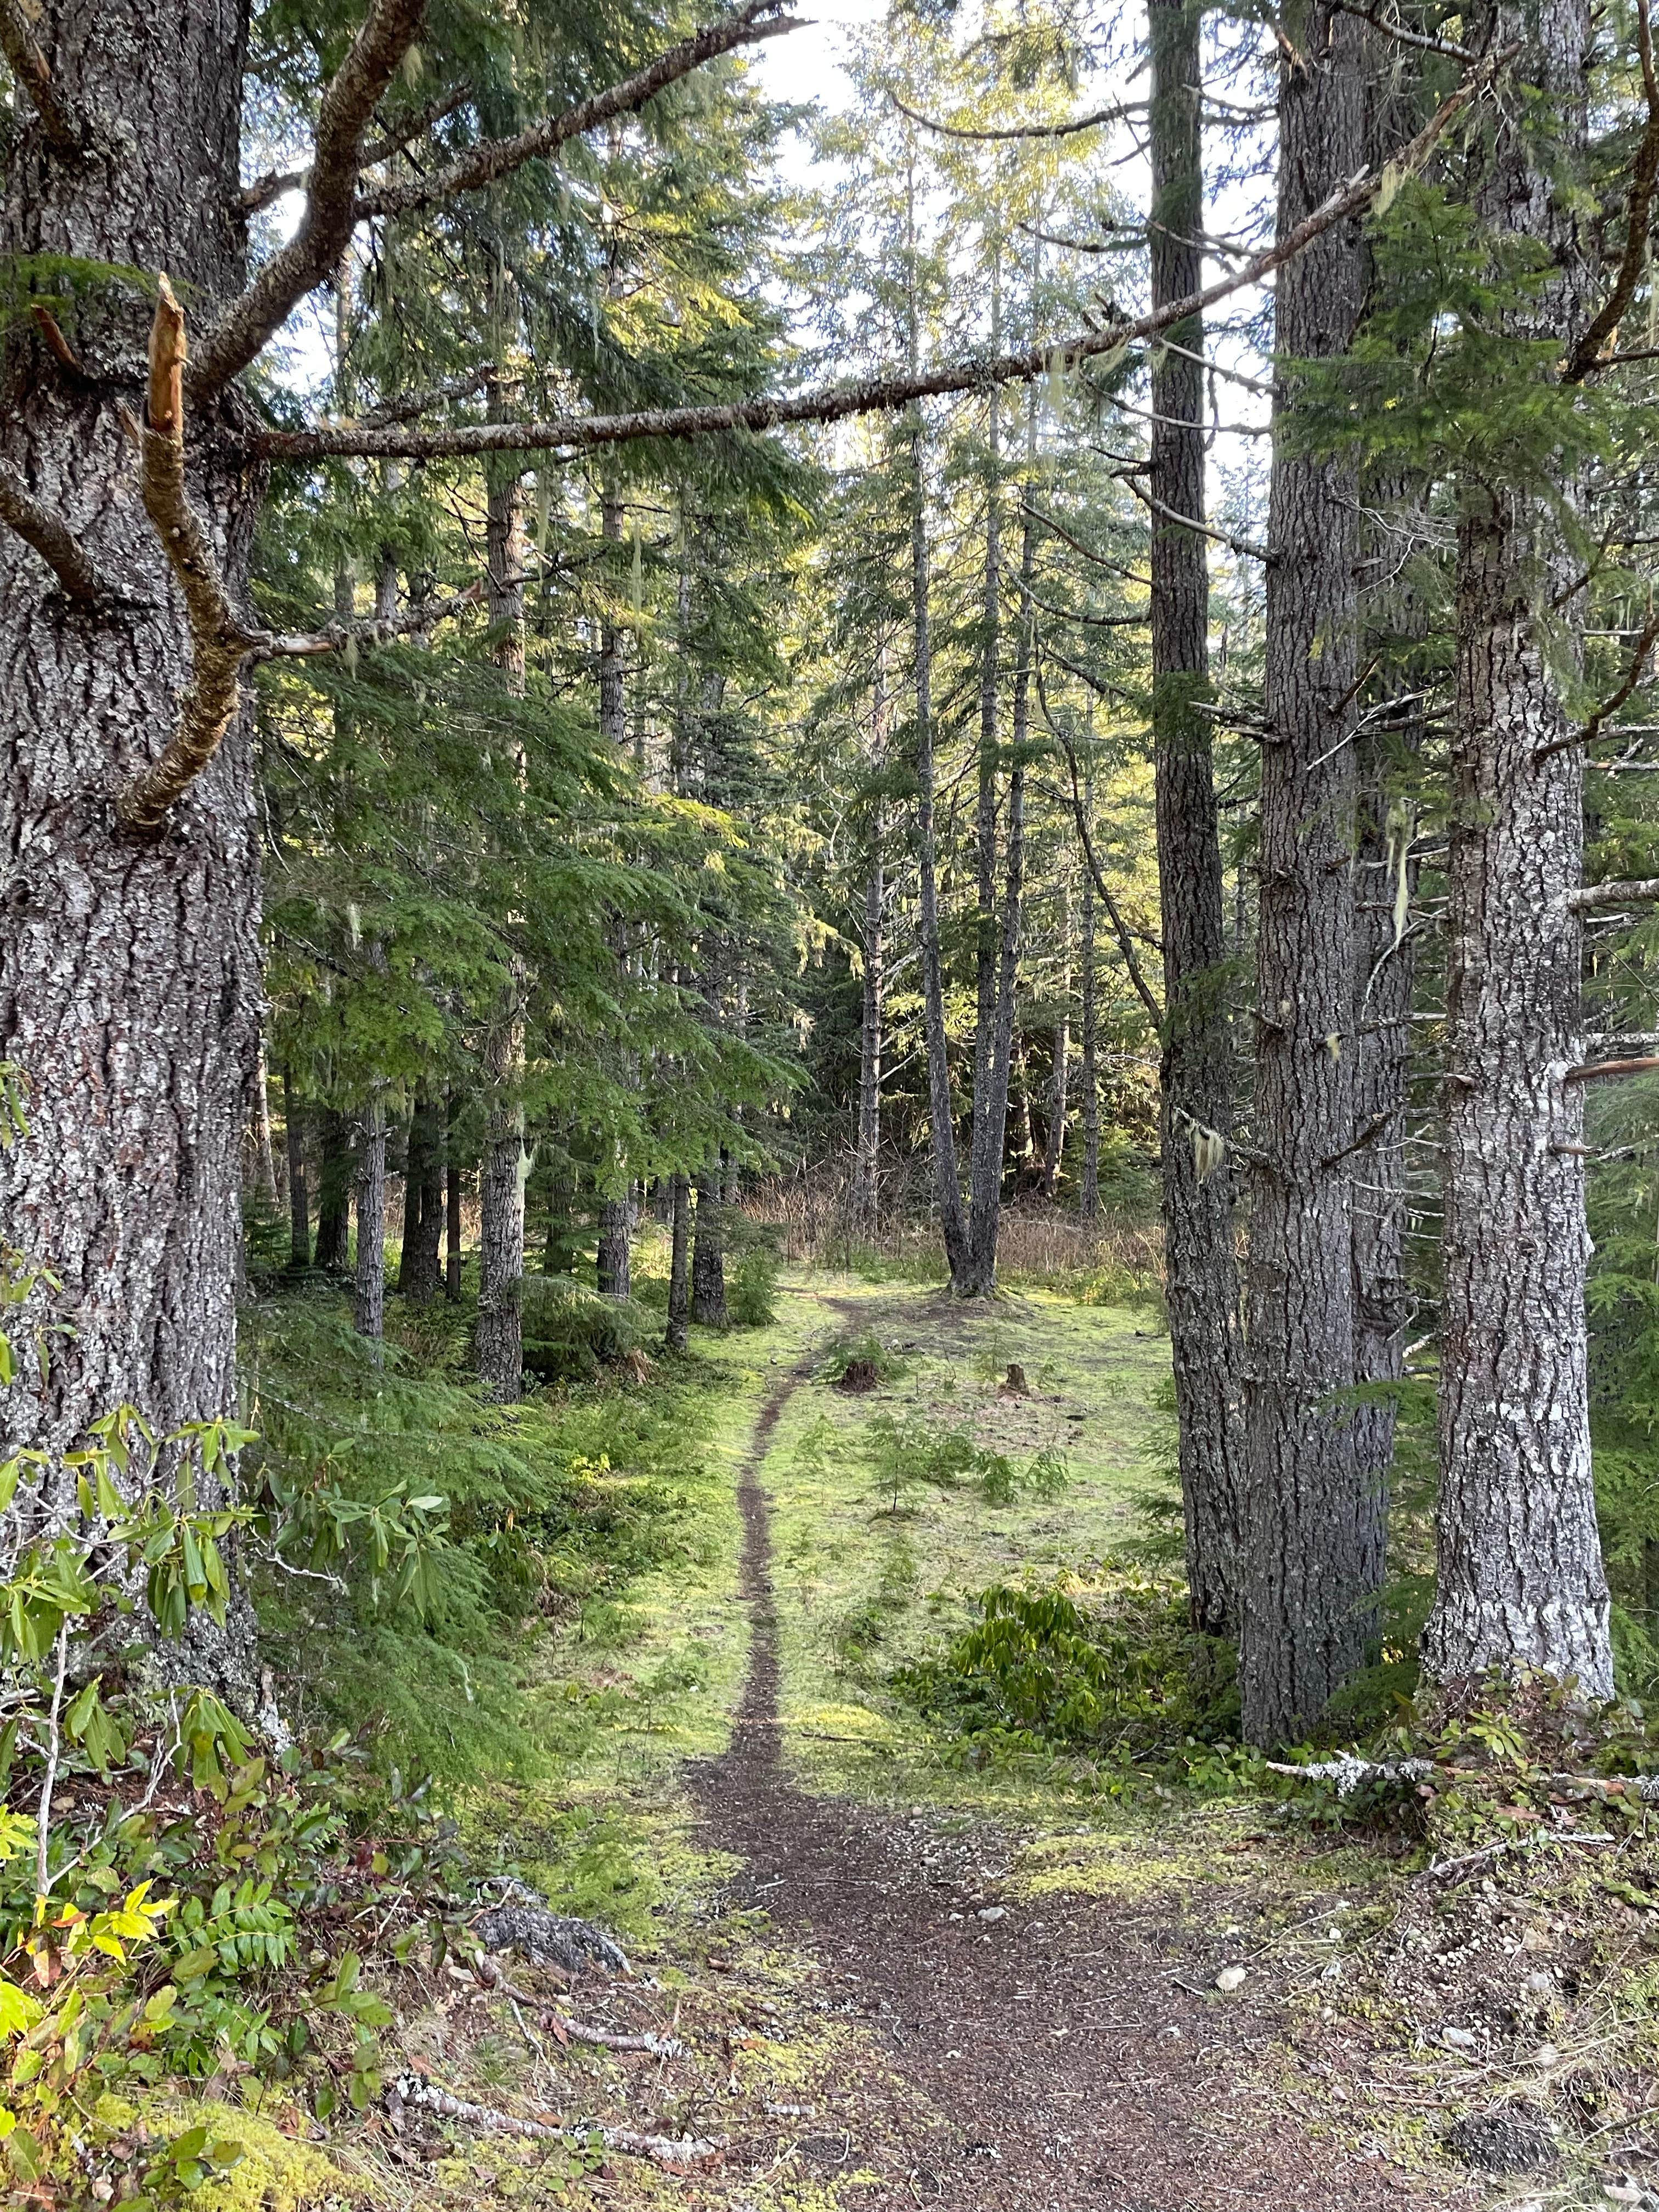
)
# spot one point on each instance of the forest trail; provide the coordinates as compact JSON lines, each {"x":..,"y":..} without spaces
{"x":1050,"y":2054}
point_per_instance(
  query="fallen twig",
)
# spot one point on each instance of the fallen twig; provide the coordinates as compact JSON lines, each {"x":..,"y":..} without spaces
{"x":668,"y":2150}
{"x":1349,"y":1772}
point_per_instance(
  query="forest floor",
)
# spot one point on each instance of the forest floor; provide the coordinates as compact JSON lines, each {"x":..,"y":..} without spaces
{"x":889,"y":1977}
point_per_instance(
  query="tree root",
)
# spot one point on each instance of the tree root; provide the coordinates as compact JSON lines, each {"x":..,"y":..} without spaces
{"x":409,"y":2089}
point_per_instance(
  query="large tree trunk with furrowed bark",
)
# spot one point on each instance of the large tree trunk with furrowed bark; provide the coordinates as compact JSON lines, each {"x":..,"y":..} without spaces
{"x":1520,"y":1580}
{"x":1195,"y":1088}
{"x":128,"y":1184}
{"x":1314,"y":1541}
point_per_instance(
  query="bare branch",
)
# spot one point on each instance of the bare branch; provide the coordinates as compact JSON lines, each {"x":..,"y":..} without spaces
{"x":325,"y":227}
{"x":1245,"y":547}
{"x":406,"y":406}
{"x":1647,"y":638}
{"x":1592,"y":1071}
{"x":1634,"y":891}
{"x":1644,"y":176}
{"x":32,"y":71}
{"x":1378,"y":21}
{"x":871,"y":395}
{"x":275,"y":182}
{"x":498,"y":157}
{"x":45,"y":529}
{"x":1022,"y":130}
{"x":312,"y":644}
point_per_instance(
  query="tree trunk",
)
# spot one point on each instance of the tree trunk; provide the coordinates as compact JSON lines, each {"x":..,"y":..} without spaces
{"x":1089,"y":1071}
{"x":418,"y":1273}
{"x":946,"y":1186}
{"x":614,"y":1270}
{"x":452,"y":1205}
{"x":502,"y":1178}
{"x":129,"y":981}
{"x":985,"y":947}
{"x":299,"y":1203}
{"x":266,"y":1159}
{"x":1196,"y":1102}
{"x":978,"y":1278}
{"x":864,"y":1199}
{"x":334,"y":1175}
{"x":369,"y":1309}
{"x":708,"y":1255}
{"x":1314,"y":1543}
{"x":675,"y":1337}
{"x":1521,"y":1581}
{"x":1053,"y":1147}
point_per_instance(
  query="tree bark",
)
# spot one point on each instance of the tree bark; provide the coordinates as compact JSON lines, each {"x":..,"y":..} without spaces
{"x":675,"y":1337}
{"x":411,"y":1236}
{"x":1313,"y":1536}
{"x":129,"y":981}
{"x":1195,"y":1100}
{"x":368,"y":1305}
{"x":985,"y":945}
{"x":614,"y":1268}
{"x":708,"y":1255}
{"x":864,"y":1199}
{"x":1521,"y":1582}
{"x":299,"y":1203}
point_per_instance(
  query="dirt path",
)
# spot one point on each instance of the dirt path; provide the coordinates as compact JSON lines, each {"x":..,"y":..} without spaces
{"x":1049,"y":2057}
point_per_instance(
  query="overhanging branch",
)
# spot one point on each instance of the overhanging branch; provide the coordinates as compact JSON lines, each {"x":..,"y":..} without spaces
{"x":1645,"y":177}
{"x":876,"y":394}
{"x":1068,"y":129}
{"x":276,"y":182}
{"x":348,"y":107}
{"x":495,"y":158}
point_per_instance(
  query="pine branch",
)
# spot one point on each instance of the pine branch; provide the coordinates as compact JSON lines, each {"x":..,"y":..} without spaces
{"x":33,"y":71}
{"x":405,"y":407}
{"x":494,"y":158}
{"x":1246,"y":548}
{"x":874,"y":394}
{"x":1645,"y":177}
{"x":1021,"y":131}
{"x":275,"y":182}
{"x":1593,"y":1070}
{"x":1646,"y":640}
{"x":46,"y":529}
{"x":325,"y":227}
{"x":219,"y":643}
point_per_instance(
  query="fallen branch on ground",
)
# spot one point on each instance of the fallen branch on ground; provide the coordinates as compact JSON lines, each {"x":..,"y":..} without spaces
{"x":1349,"y":1773}
{"x":522,"y":1923}
{"x":425,"y":2096}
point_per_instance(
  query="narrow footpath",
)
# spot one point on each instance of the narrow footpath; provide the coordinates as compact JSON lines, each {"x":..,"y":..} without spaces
{"x":1065,"y":2056}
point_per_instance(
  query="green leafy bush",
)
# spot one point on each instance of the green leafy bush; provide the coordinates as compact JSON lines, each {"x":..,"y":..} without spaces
{"x":1127,"y":1679}
{"x":572,"y":1336}
{"x":752,"y":1289}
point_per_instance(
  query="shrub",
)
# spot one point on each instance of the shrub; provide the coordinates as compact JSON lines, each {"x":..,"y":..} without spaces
{"x":906,"y":1454}
{"x":865,"y":1358}
{"x":1128,"y":1678}
{"x":569,"y":1335}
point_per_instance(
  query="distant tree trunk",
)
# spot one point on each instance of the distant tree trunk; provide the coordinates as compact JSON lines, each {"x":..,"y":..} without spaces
{"x":418,"y":1268}
{"x":1089,"y":1073}
{"x":299,"y":1203}
{"x":265,"y":1156}
{"x":369,"y":1303}
{"x":947,"y":1188}
{"x":708,"y":1255}
{"x":675,"y":1337}
{"x":978,"y":1276}
{"x":986,"y":941}
{"x":1521,"y":1582}
{"x":406,"y":1261}
{"x":452,"y":1205}
{"x":502,"y":1178}
{"x":614,"y":1271}
{"x":1195,"y":1104}
{"x":1314,"y":1546}
{"x":1054,"y":1137}
{"x":864,"y":1199}
{"x":334,"y":1176}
